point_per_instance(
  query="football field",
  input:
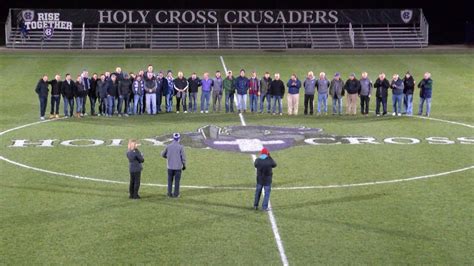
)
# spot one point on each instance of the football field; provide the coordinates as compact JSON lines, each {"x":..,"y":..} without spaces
{"x":363,"y":190}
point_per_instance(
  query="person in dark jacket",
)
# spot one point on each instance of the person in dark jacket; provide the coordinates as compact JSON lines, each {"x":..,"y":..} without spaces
{"x":194,"y":84}
{"x":426,"y":88}
{"x":112,"y":93}
{"x":80,"y":93}
{"x":135,"y":160}
{"x":55,"y":96}
{"x":264,"y":164}
{"x":181,"y":90}
{"x":242,"y":87}
{"x":67,"y":90}
{"x":381,"y":85}
{"x":42,"y":91}
{"x":408,"y":90}
{"x":161,"y":84}
{"x":352,"y":87}
{"x":228,"y":86}
{"x":176,"y":162}
{"x":150,"y":94}
{"x":124,"y":91}
{"x":93,"y":92}
{"x":277,"y":90}
{"x":264,"y":93}
{"x":397,"y":95}
{"x":101,"y":90}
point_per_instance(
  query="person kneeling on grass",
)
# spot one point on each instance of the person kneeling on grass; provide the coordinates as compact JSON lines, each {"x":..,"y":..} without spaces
{"x":135,"y":160}
{"x":264,"y":164}
{"x":176,"y":162}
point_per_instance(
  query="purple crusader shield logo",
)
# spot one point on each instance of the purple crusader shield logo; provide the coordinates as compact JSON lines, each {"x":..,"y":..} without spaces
{"x":406,"y":15}
{"x":246,"y":139}
{"x":28,"y":15}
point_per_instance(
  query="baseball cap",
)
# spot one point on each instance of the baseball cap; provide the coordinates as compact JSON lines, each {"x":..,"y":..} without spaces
{"x":176,"y":136}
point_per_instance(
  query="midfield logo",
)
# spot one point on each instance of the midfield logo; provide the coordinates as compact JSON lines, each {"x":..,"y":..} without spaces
{"x":245,"y":139}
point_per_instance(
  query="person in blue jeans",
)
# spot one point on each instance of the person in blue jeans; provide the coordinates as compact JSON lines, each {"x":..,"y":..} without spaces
{"x":408,"y":90}
{"x":277,"y":90}
{"x":206,"y":88}
{"x":264,"y":165}
{"x":176,"y":162}
{"x":426,"y":88}
{"x":322,"y":85}
{"x":397,"y":95}
{"x":138,"y":92}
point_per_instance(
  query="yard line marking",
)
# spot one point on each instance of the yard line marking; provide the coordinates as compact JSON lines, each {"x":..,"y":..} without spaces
{"x":242,"y":120}
{"x":27,"y":125}
{"x":240,"y":188}
{"x":276,"y":233}
{"x":223,"y":64}
{"x":271,"y":216}
{"x":442,"y":120}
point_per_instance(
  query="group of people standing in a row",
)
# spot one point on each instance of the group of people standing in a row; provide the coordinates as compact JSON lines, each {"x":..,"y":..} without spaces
{"x":128,"y":93}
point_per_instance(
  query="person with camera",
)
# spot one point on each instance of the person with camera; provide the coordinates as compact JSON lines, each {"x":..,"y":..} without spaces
{"x":135,"y":161}
{"x":264,"y":164}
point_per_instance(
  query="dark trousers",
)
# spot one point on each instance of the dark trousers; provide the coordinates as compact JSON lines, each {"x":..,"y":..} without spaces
{"x":55,"y":99}
{"x":103,"y":105}
{"x":126,"y":104}
{"x":364,"y":104}
{"x":159,"y":100}
{"x":68,"y":106}
{"x":92,"y":100}
{"x":84,"y":99}
{"x":178,"y":103}
{"x":176,"y":176}
{"x":43,"y":102}
{"x":383,"y":101}
{"x":134,"y":184}
{"x":308,"y":99}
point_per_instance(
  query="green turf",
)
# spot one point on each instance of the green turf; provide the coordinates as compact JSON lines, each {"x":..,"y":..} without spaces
{"x":50,"y":219}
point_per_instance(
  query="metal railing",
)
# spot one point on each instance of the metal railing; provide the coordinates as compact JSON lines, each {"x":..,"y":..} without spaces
{"x":228,"y":37}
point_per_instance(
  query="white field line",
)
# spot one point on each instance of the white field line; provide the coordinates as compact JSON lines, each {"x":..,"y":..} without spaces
{"x":445,"y":121}
{"x":276,"y":233}
{"x":271,"y":217}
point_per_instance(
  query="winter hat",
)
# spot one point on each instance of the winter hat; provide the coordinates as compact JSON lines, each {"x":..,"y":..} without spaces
{"x":176,"y":136}
{"x":264,"y":151}
{"x":337,"y":74}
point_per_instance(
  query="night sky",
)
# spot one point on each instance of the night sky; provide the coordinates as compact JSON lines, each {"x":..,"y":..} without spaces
{"x":448,"y":21}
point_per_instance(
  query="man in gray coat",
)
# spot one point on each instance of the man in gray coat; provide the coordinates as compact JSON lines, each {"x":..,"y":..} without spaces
{"x":336,"y":90}
{"x":174,"y":153}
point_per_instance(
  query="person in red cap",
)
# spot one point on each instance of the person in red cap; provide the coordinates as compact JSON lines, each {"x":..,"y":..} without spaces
{"x":264,"y":164}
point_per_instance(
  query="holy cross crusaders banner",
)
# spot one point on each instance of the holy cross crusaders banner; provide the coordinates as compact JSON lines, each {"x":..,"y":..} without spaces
{"x":65,"y":19}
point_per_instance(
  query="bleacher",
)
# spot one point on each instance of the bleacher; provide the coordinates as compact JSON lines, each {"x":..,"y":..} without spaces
{"x":226,"y":37}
